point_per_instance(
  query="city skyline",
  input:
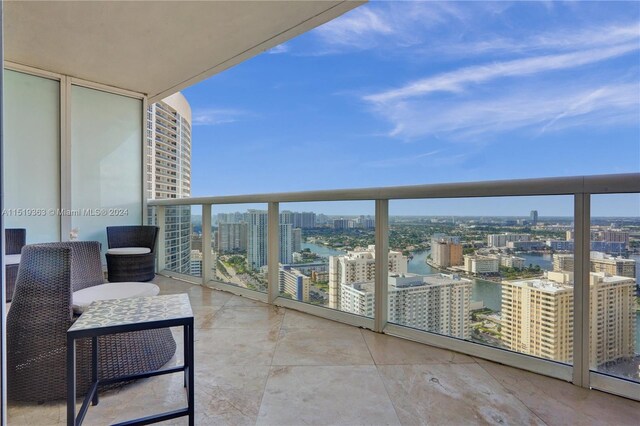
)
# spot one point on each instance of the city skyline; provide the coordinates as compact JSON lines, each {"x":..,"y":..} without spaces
{"x":398,"y":94}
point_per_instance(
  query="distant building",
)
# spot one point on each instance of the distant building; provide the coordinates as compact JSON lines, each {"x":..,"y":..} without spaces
{"x":296,"y":240}
{"x":445,"y":253}
{"x":294,"y":283}
{"x":533,"y":217}
{"x":358,"y":266}
{"x":478,"y":264}
{"x":501,"y":240}
{"x":616,"y":236}
{"x":526,"y":245}
{"x":231,"y":237}
{"x":439,"y":303}
{"x":512,"y":262}
{"x":537,"y":317}
{"x":569,"y":235}
{"x":196,"y":263}
{"x":286,"y":243}
{"x":257,"y":239}
{"x":600,"y":262}
{"x":343,"y":224}
{"x":563,"y":262}
{"x":612,"y":247}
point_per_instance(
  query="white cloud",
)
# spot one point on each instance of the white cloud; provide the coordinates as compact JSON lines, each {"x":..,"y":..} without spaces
{"x":456,"y":81}
{"x":540,"y":109}
{"x":281,"y":48}
{"x":390,"y":24}
{"x":215,"y":116}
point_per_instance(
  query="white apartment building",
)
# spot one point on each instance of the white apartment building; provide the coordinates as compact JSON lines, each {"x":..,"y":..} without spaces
{"x":256,"y":238}
{"x":478,"y":264}
{"x":512,"y":262}
{"x":294,"y":283}
{"x":501,"y":240}
{"x":168,"y":171}
{"x":358,"y":266}
{"x":439,"y":303}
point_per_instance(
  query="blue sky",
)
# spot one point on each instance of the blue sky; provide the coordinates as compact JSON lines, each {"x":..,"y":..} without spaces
{"x":400,"y":93}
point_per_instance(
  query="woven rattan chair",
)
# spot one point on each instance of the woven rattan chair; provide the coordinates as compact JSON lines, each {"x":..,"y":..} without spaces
{"x":41,"y":314}
{"x":131,"y":267}
{"x":15,"y":239}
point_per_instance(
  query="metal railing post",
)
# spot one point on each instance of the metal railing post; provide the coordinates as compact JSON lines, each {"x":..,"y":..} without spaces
{"x":273,"y":251}
{"x":381,"y":296}
{"x":581,"y":289}
{"x":207,"y":255}
{"x":162,"y":246}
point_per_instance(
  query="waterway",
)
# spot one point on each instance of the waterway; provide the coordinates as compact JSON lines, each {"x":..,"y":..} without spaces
{"x":323,"y":251}
{"x":488,"y":292}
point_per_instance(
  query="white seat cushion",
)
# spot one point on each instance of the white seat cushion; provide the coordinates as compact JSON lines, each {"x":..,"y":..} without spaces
{"x":129,"y":250}
{"x":11,"y":259}
{"x":83,"y":298}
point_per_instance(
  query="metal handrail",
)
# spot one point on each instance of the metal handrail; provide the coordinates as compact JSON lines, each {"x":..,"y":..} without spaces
{"x":595,"y":184}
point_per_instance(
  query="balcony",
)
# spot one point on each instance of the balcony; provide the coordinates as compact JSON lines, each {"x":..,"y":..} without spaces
{"x":261,"y":364}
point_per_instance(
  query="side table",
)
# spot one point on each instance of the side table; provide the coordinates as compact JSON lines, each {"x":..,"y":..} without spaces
{"x":121,"y":316}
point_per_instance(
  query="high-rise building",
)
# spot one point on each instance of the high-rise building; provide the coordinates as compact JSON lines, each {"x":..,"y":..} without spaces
{"x":168,"y":170}
{"x":537,"y":317}
{"x":439,"y":303}
{"x":445,"y":253}
{"x":358,"y":266}
{"x":286,"y":243}
{"x":296,"y":240}
{"x":256,"y":238}
{"x":533,"y":217}
{"x":231,"y":237}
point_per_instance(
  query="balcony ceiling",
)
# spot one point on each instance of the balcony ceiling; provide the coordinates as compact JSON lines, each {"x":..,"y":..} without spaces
{"x":153,"y":47}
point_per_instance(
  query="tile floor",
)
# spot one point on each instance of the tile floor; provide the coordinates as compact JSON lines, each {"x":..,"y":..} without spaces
{"x":258,"y":364}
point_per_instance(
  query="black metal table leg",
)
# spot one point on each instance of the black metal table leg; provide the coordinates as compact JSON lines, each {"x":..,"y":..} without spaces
{"x":94,"y":367}
{"x":71,"y":381}
{"x":189,"y":362}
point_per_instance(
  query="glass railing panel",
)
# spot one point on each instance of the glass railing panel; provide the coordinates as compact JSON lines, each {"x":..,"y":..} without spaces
{"x":327,"y":254}
{"x":482,"y":270}
{"x":240,"y":245}
{"x":614,"y":312}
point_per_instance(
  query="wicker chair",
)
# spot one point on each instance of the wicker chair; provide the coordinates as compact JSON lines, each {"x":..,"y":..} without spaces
{"x":41,"y":314}
{"x":15,"y":239}
{"x":131,"y":267}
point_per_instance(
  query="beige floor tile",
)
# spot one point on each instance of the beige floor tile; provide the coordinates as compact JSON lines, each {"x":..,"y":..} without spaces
{"x":234,"y":346}
{"x":245,"y":301}
{"x":254,"y":318}
{"x":561,"y":403}
{"x":295,"y":319}
{"x":50,"y":413}
{"x":321,"y":395}
{"x":394,"y":350}
{"x":330,"y":346}
{"x":451,"y":394}
{"x":203,"y":315}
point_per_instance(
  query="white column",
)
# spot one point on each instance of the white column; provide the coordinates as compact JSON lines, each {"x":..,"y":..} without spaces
{"x":161,"y":223}
{"x":207,"y":256}
{"x":273,"y":251}
{"x":581,"y":287}
{"x":382,"y":265}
